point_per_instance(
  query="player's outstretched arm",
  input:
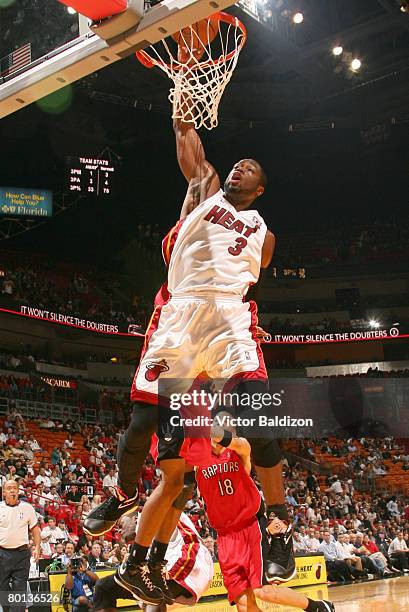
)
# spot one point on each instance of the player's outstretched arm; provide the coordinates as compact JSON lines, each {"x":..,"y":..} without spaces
{"x":197,"y":192}
{"x":191,"y":156}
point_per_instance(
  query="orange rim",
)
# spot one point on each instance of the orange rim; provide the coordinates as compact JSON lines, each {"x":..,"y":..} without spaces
{"x":149,"y":62}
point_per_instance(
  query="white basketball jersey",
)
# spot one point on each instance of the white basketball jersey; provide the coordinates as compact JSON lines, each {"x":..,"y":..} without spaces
{"x":217,"y":250}
{"x":189,"y":562}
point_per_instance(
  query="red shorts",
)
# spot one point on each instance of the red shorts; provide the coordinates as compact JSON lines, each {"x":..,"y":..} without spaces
{"x":241,"y":558}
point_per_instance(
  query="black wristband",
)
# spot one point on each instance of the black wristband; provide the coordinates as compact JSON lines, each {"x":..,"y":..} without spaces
{"x":227,"y":438}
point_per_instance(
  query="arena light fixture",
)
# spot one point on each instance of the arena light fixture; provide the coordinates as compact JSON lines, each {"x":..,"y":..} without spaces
{"x":338,"y":50}
{"x":298,"y":18}
{"x":374,"y":324}
{"x":356,"y":64}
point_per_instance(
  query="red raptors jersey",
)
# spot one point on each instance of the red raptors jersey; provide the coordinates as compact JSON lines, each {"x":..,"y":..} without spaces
{"x":230,"y":494}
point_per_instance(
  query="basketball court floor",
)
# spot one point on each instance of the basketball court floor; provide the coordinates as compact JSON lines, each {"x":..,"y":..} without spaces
{"x":391,"y":595}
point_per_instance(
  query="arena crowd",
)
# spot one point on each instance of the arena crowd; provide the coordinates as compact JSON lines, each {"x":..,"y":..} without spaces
{"x":362,"y":534}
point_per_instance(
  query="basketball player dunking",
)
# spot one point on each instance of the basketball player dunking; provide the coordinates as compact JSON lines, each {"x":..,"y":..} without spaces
{"x":214,"y":253}
{"x":236,"y":512}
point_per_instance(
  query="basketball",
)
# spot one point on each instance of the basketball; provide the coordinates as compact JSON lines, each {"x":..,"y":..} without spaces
{"x":197,"y":35}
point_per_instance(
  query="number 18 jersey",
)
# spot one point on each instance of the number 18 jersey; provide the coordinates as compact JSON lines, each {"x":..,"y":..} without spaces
{"x":230,"y":494}
{"x":216,"y":249}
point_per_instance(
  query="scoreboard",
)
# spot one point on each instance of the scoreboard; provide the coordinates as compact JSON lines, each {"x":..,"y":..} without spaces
{"x":90,"y":176}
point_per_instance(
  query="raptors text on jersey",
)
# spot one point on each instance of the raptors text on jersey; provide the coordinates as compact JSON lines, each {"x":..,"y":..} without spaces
{"x":230,"y":493}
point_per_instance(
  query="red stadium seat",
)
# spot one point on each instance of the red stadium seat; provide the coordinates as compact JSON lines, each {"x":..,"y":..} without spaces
{"x":97,"y":9}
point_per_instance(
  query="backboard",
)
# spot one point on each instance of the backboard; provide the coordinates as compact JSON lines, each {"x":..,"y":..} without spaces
{"x":63,"y":48}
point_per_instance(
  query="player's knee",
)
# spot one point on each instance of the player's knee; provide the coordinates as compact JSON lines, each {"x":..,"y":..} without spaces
{"x":184,"y":496}
{"x":265,"y":453}
{"x":172,"y":484}
{"x":143,"y":424}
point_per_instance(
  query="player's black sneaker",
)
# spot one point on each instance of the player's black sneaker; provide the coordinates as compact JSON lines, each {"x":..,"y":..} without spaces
{"x":103,"y":517}
{"x":324,"y":606}
{"x":135,"y":577}
{"x":280,"y":562}
{"x":158,"y":577}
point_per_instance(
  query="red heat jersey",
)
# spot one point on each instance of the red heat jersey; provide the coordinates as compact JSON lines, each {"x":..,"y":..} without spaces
{"x":231,"y":495}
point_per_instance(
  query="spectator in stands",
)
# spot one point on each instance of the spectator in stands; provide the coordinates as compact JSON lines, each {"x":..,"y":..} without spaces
{"x":69,"y":552}
{"x":352,"y":560}
{"x":46,"y":423}
{"x":375,"y":553}
{"x":28,"y":453}
{"x":86,"y":509}
{"x":39,"y":501}
{"x":58,"y":552}
{"x":334,"y":559}
{"x":109,"y":481}
{"x":311,"y":541}
{"x":73,"y":496}
{"x":42,"y":478}
{"x":95,"y":557}
{"x":148,"y":475}
{"x":55,"y":456}
{"x":80,"y":583}
{"x":336,"y":487}
{"x":33,"y":444}
{"x":311,"y":481}
{"x":298,"y":543}
{"x":398,"y":553}
{"x":117,"y":555}
{"x":50,"y":535}
{"x":96,"y":500}
{"x":393,"y":508}
{"x":69,"y":442}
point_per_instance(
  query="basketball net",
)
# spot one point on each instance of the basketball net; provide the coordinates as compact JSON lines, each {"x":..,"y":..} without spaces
{"x":201,"y":78}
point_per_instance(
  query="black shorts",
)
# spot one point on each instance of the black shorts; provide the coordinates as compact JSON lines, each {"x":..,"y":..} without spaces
{"x":170,"y":438}
{"x":169,"y":448}
{"x":107,"y":592}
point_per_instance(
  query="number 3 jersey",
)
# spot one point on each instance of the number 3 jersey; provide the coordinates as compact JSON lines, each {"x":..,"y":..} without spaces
{"x":216,"y":249}
{"x":231,"y":496}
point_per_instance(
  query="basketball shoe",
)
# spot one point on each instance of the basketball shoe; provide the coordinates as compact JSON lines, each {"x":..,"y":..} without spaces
{"x":323,"y":606}
{"x":280,"y":562}
{"x":135,"y":577}
{"x":158,"y":577}
{"x":104,"y":517}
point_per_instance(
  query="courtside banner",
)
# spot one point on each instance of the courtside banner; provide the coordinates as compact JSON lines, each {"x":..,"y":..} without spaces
{"x":310,"y":571}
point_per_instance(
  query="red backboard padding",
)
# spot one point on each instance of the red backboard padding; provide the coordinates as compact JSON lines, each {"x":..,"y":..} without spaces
{"x":97,"y":9}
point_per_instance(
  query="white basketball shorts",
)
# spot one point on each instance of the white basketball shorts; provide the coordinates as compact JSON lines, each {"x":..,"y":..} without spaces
{"x":193,"y":335}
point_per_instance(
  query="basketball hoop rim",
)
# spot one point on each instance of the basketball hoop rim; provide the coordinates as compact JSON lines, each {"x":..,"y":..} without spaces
{"x":149,"y":62}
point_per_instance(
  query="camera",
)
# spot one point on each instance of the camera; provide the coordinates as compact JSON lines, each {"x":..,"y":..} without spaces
{"x":75,"y":564}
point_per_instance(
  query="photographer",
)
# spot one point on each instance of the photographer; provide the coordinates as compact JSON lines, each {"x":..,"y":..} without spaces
{"x":80,"y":582}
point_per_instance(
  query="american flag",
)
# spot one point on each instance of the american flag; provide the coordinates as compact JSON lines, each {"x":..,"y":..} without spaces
{"x":15,"y":60}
